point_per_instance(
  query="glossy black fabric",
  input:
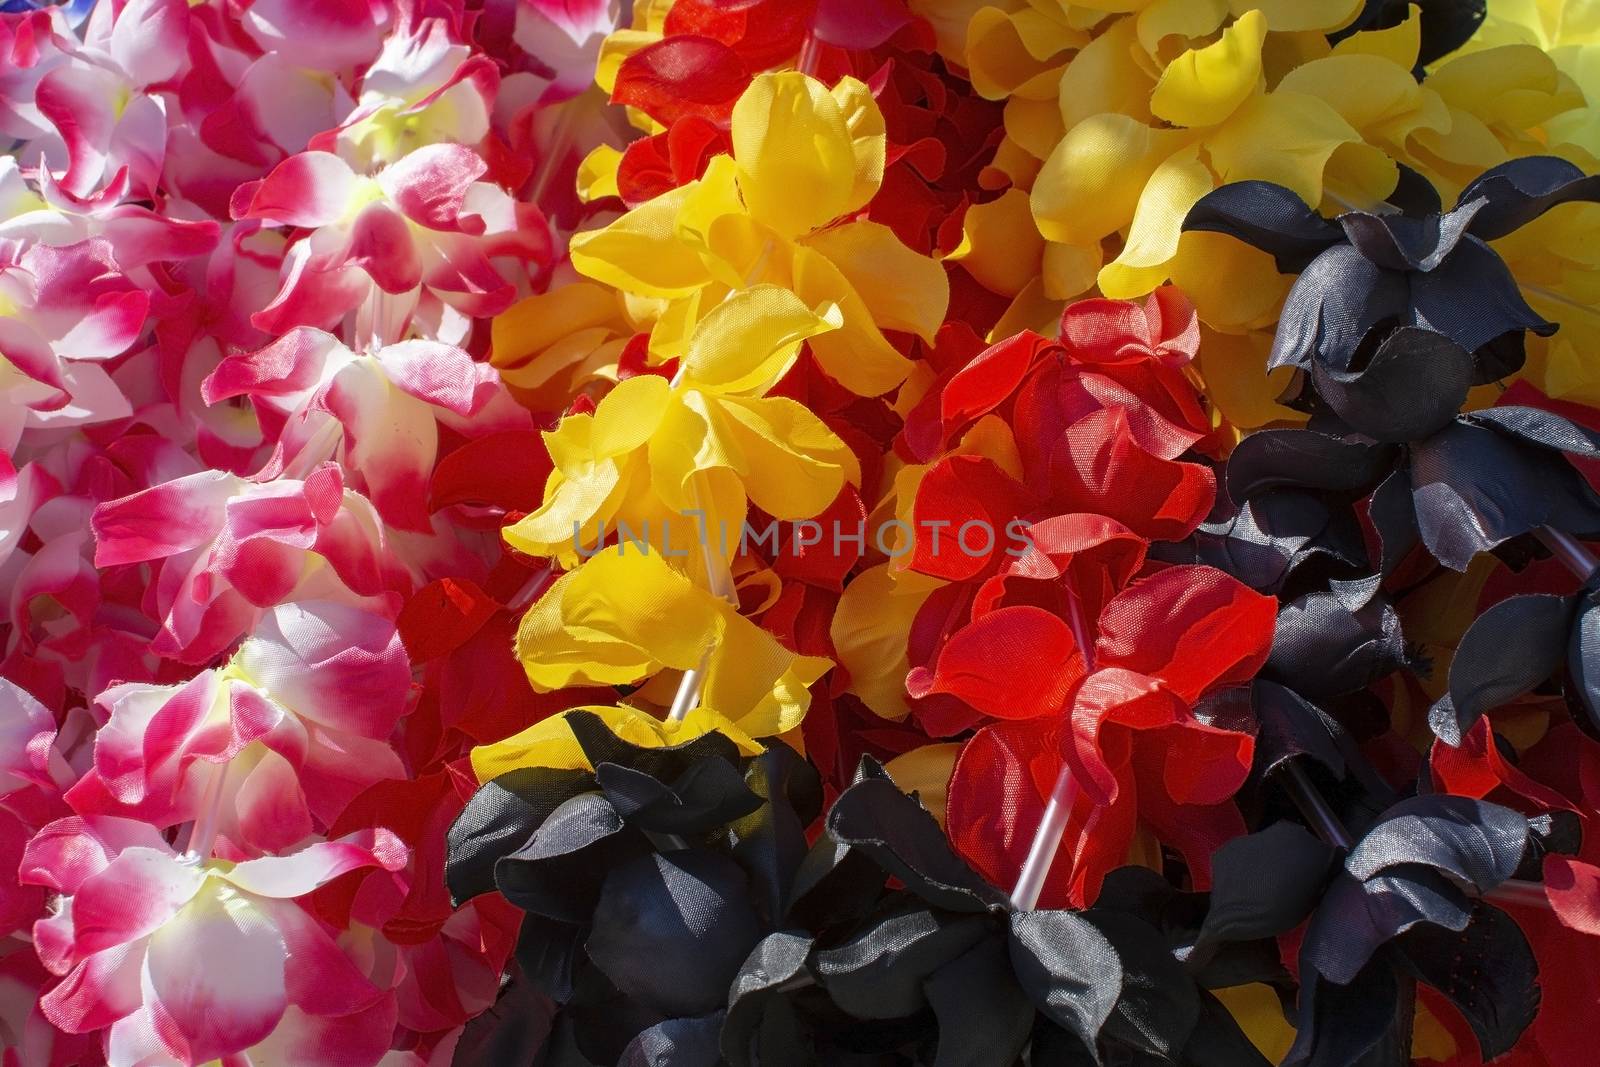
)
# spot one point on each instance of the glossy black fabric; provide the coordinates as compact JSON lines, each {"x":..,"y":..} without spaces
{"x":1508,"y":651}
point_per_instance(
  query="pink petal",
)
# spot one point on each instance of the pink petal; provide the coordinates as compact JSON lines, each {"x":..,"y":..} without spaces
{"x":293,"y":363}
{"x":137,"y":892}
{"x":309,"y":189}
{"x":163,"y":520}
{"x":150,"y":39}
{"x":320,"y":34}
{"x":32,"y":355}
{"x":429,"y":184}
{"x":440,"y":374}
{"x":390,"y":438}
{"x":69,"y":851}
{"x":271,"y":807}
{"x":78,"y":100}
{"x":332,"y":664}
{"x":109,"y":330}
{"x":310,"y":297}
{"x":381,"y":244}
{"x":99,"y":991}
{"x":295,"y":875}
{"x":322,"y":979}
{"x":218,"y":972}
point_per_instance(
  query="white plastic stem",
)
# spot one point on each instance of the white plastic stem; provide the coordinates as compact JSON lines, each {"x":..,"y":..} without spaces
{"x":1573,"y":554}
{"x":809,"y":54}
{"x":1058,"y":811}
{"x":719,"y":579}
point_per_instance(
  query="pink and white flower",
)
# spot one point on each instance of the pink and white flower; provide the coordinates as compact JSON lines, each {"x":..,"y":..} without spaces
{"x":267,"y":749}
{"x":424,"y":225}
{"x":103,"y":101}
{"x":182,"y":961}
{"x":230,"y":548}
{"x":376,"y":413}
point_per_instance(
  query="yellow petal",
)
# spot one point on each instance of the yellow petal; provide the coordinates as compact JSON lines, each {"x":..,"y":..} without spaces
{"x":530,"y":326}
{"x":619,"y":618}
{"x":857,"y":356}
{"x":641,"y":252}
{"x":1259,"y":1013}
{"x":750,"y":340}
{"x":1104,"y":78}
{"x":1000,"y":246}
{"x":1070,"y":270}
{"x":791,"y":463}
{"x":926,"y":772}
{"x":1400,"y":45}
{"x":1365,"y":90}
{"x":797,"y":162}
{"x":1090,"y":185}
{"x":1234,"y":368}
{"x":1205,"y":85}
{"x":767,"y":684}
{"x":868,"y":140}
{"x":597,"y":174}
{"x":869,"y":633}
{"x":1184,"y":19}
{"x":901,"y":289}
{"x":1031,"y":310}
{"x":1034,"y":125}
{"x":1153,"y":238}
{"x":999,"y":60}
{"x":551,"y":742}
{"x":1233,"y":286}
{"x":1293,"y":16}
{"x":1281,"y":137}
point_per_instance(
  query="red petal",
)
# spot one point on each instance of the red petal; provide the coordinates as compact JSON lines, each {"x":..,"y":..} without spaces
{"x":681,"y":76}
{"x":1193,"y":627}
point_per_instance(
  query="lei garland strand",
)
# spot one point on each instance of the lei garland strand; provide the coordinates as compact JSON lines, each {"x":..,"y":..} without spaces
{"x":900,"y":531}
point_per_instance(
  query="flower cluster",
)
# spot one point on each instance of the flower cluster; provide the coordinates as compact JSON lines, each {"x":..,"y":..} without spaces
{"x":699,"y":532}
{"x":249,"y":258}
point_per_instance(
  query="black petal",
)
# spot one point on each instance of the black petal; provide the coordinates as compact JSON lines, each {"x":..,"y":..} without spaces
{"x":676,"y":1043}
{"x":1357,"y":918}
{"x":1394,"y":520}
{"x":1352,"y":1025}
{"x":559,"y":871}
{"x":984,"y":1015}
{"x":1068,"y":968}
{"x":1305,"y":459}
{"x":1264,"y":884}
{"x":1159,"y":1003}
{"x":1476,"y":488}
{"x":1323,"y":649}
{"x":1539,"y":427}
{"x":1272,"y":536}
{"x":499,"y":819}
{"x":1413,"y":386}
{"x":601,"y":745}
{"x":1517,"y":192}
{"x":1583,"y":654}
{"x":1334,"y":304}
{"x":1506,"y":652}
{"x":1407,"y":242}
{"x":875,"y":817}
{"x":778,"y":961}
{"x":879,"y":973}
{"x":1218,"y":1041}
{"x":672,"y":929}
{"x":1487,"y":971}
{"x":547,"y":953}
{"x":1291,"y":727}
{"x":1477,"y":843}
{"x":1472,"y":298}
{"x":709,"y":794}
{"x":1266,"y":216}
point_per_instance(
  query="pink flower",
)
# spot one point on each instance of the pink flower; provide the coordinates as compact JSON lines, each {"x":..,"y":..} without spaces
{"x":564,"y":37}
{"x":230,"y":548}
{"x":423,"y":226}
{"x":425,"y":87}
{"x":277,"y":742}
{"x":101,"y":101}
{"x":63,"y":310}
{"x":378,"y":413}
{"x":30,"y":48}
{"x":188,"y":962}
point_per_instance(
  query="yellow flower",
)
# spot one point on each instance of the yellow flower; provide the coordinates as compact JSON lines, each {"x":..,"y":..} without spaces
{"x":625,"y":616}
{"x":804,"y":159}
{"x":655,"y":453}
